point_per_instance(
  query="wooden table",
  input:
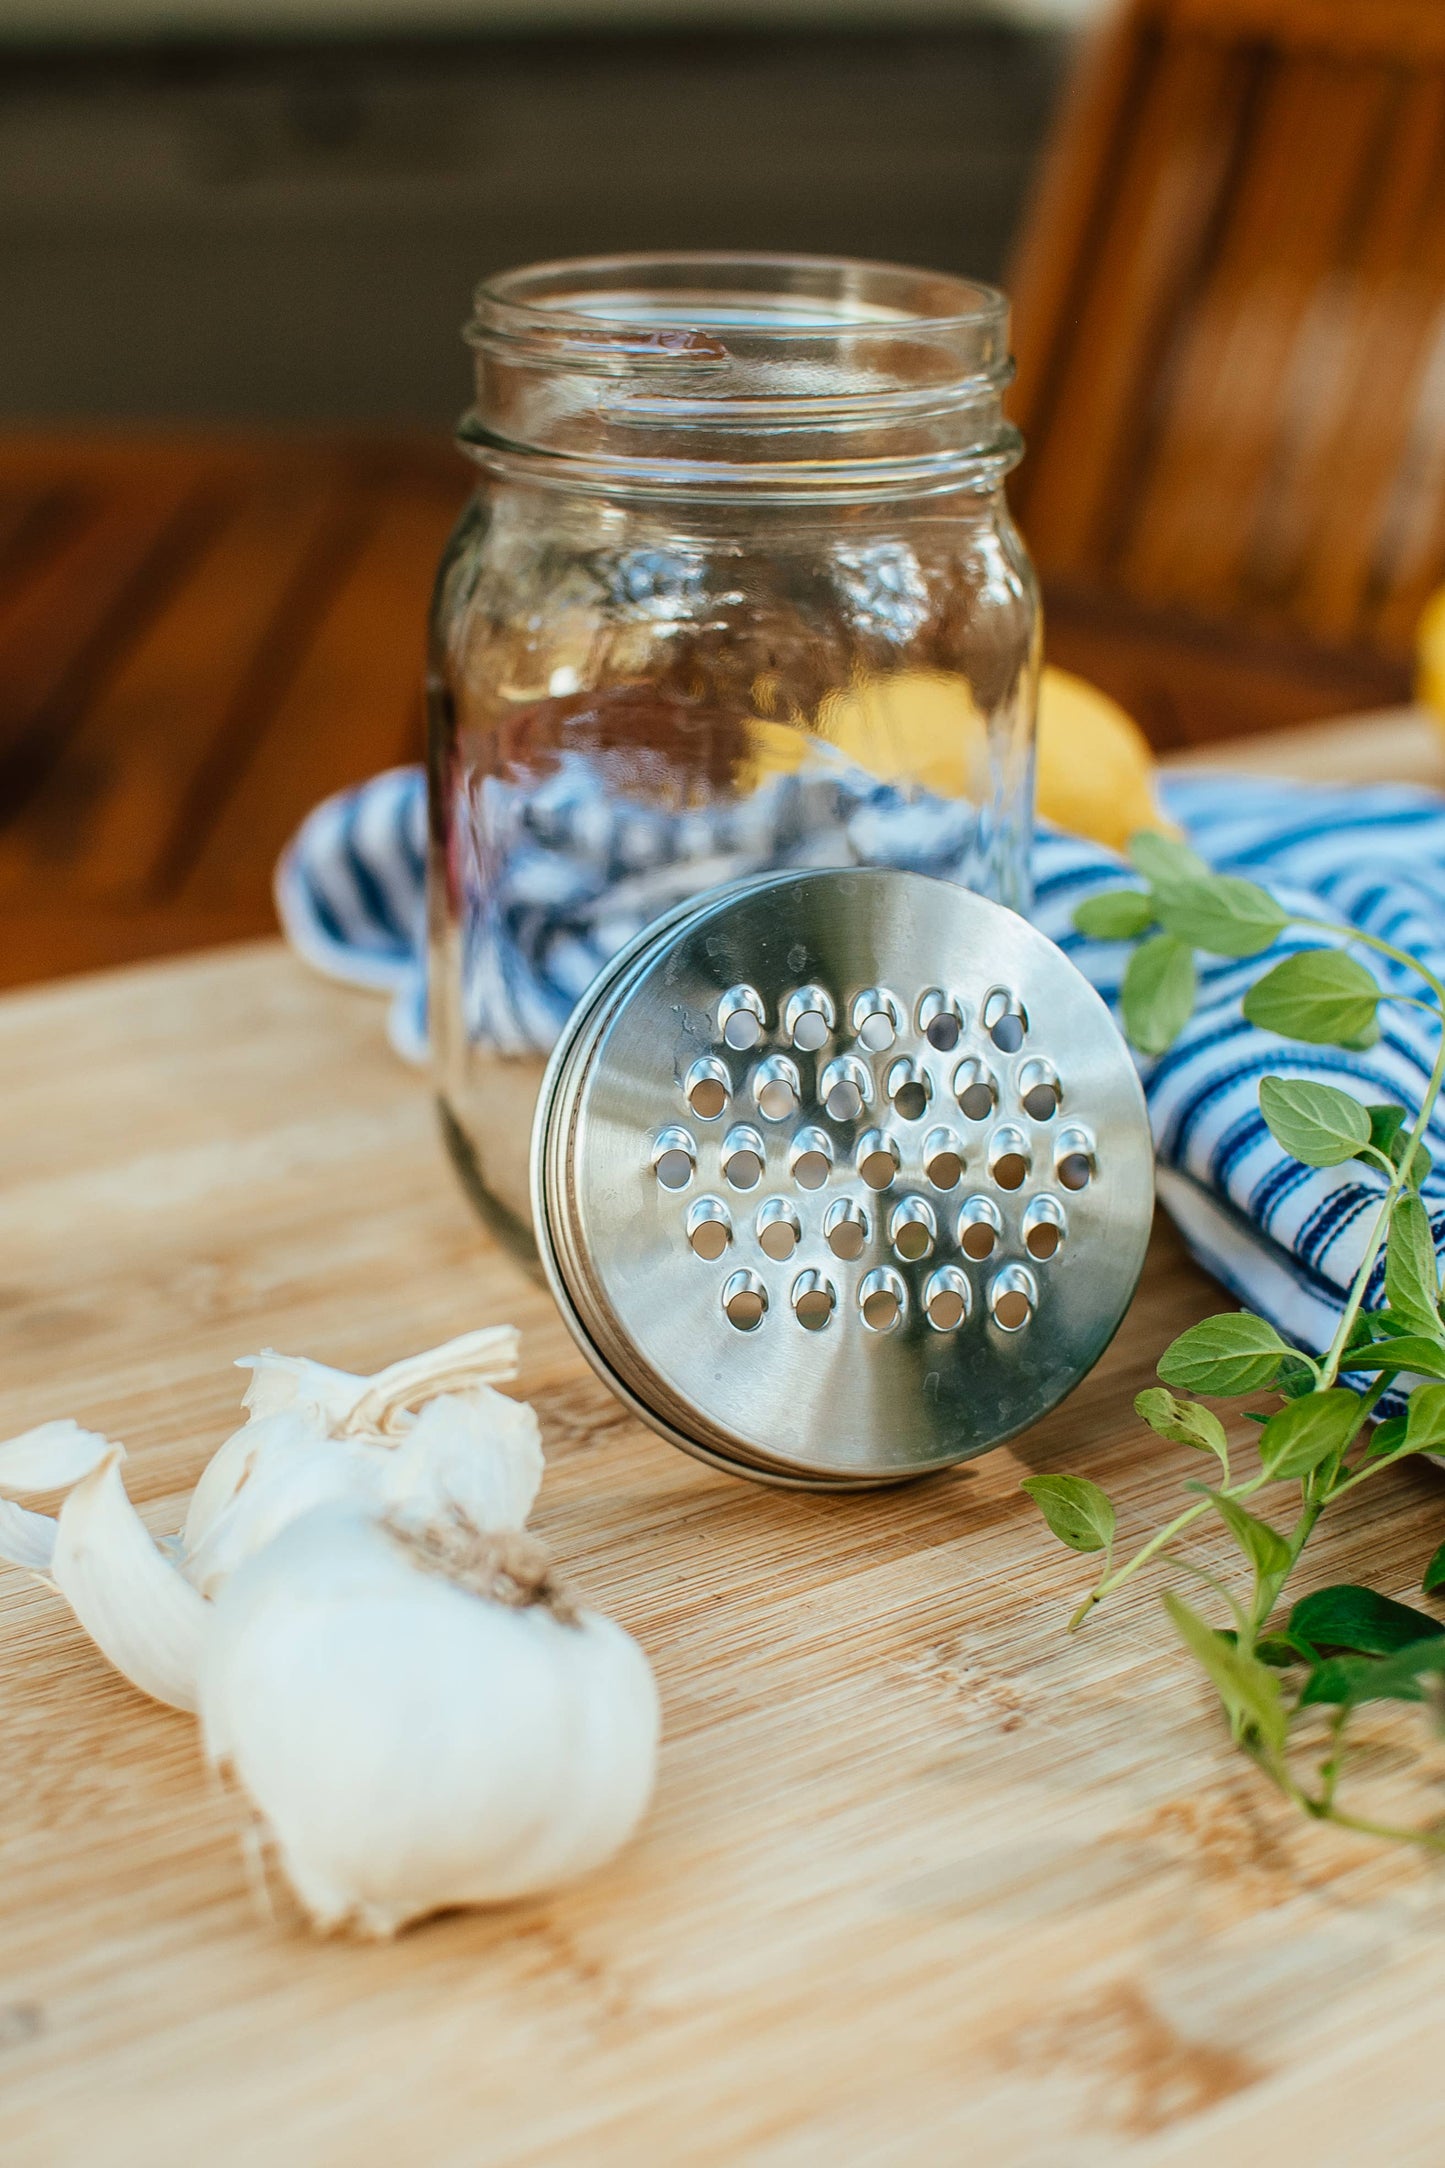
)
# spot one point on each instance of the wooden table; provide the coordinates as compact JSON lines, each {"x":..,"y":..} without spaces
{"x":199,"y":637}
{"x":925,"y":1881}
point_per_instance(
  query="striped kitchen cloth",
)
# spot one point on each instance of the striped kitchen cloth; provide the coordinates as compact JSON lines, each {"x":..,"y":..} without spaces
{"x":583,"y":871}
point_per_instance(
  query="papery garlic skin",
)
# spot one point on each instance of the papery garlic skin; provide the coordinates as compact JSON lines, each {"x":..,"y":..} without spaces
{"x":475,"y":1451}
{"x":472,"y":1451}
{"x":412,"y":1745}
{"x":292,"y":1399}
{"x":375,"y":1647}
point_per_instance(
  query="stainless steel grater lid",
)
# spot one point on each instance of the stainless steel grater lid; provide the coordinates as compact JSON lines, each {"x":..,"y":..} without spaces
{"x":841,"y":1177}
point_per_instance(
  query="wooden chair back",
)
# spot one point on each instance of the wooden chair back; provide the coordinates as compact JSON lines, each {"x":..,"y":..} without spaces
{"x":1230,"y":322}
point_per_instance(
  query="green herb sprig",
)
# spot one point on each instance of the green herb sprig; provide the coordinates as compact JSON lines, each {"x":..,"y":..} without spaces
{"x":1345,"y":1646}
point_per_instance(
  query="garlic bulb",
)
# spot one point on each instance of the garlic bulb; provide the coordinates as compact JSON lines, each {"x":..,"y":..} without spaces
{"x":422,"y":1718}
{"x":378,"y":1652}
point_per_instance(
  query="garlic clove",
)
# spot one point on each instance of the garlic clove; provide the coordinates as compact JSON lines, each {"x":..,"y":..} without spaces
{"x":53,"y":1456}
{"x":473,"y":1449}
{"x":613,"y":1724}
{"x":139,"y":1611}
{"x":411,"y":1741}
{"x":26,"y":1539}
{"x":477,"y":1452}
{"x":291,"y":1470}
{"x":475,"y":1358}
{"x":288,"y":1381}
{"x":232,"y":1466}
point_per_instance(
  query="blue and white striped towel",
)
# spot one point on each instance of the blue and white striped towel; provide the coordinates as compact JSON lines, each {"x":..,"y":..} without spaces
{"x":584,"y":872}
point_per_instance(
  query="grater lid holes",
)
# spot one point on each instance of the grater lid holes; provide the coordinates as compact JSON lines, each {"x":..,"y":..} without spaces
{"x":779,"y":1230}
{"x":674,"y":1155}
{"x":814,"y":1299}
{"x":876,"y":1018}
{"x":709,"y":1228}
{"x":810,"y":1158}
{"x":940,"y":1020}
{"x":975,"y":1090}
{"x":979,"y":1228}
{"x":1039,"y":1092}
{"x":889,"y":1304}
{"x":742,"y":1158}
{"x":744,"y":1301}
{"x":808,"y":1018}
{"x":881,"y":1298}
{"x":707,"y":1086}
{"x":776,"y":1088}
{"x":740,"y":1018}
{"x":1009,"y":1158}
{"x":908,"y":1090}
{"x":943,"y":1159}
{"x":1043,"y":1228}
{"x":845,"y":1229}
{"x":1013,"y":1297}
{"x":845,"y":1088}
{"x":947,"y":1299}
{"x":1004,"y":1019}
{"x":1074,"y":1161}
{"x":912,"y":1229}
{"x":877,"y":1159}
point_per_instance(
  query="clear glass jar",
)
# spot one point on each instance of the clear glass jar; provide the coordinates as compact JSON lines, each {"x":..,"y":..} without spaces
{"x":738,"y":589}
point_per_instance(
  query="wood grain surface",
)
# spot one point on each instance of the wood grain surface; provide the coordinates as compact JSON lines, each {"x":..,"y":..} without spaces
{"x":202,"y":635}
{"x":925,"y":1880}
{"x":1228,"y":359}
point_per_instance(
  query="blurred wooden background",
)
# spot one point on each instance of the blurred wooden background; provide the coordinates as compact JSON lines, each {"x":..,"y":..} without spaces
{"x":1231,"y":336}
{"x":198,"y":640}
{"x":1231,"y":333}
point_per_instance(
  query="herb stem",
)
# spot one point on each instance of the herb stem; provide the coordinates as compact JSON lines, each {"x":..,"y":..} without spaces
{"x":1432,"y":1840}
{"x":1399,"y":1175}
{"x":1111,"y":1581}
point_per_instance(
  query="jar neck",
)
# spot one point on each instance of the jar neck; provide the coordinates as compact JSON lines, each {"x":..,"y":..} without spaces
{"x":783,"y":377}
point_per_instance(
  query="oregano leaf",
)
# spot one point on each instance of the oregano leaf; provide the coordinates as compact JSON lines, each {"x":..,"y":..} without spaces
{"x":1386,"y":1122}
{"x":1077,"y":1511}
{"x":1164,"y":861}
{"x":1296,"y":1378}
{"x":1248,"y":1689}
{"x":1386,"y":1438}
{"x":1263,"y":1546}
{"x":1279,"y":1652}
{"x":1353,"y":1679}
{"x":1119,"y":914}
{"x":1434,"y":1574}
{"x":1410,"y":1352}
{"x":1308,"y":1431}
{"x":1315,"y":1123}
{"x":1425,"y":1419}
{"x":1359,"y":1621}
{"x":1420,"y":1160}
{"x":1183,"y":1422}
{"x":1320,"y":995}
{"x":1412,"y":1276}
{"x":1236,"y":1352}
{"x":1158,"y":994}
{"x":1223,"y":914}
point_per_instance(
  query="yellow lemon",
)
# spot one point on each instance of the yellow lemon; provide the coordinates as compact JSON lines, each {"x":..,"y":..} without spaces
{"x":1095,"y":770}
{"x":1430,"y":657}
{"x":916,"y":726}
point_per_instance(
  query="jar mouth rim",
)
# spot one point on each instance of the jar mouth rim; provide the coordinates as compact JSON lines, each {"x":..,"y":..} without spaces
{"x":667,"y":303}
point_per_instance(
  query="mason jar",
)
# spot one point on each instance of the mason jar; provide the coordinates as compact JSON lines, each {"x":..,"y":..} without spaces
{"x":738,"y":589}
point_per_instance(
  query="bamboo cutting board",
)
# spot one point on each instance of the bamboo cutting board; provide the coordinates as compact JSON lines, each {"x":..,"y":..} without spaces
{"x":925,"y":1881}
